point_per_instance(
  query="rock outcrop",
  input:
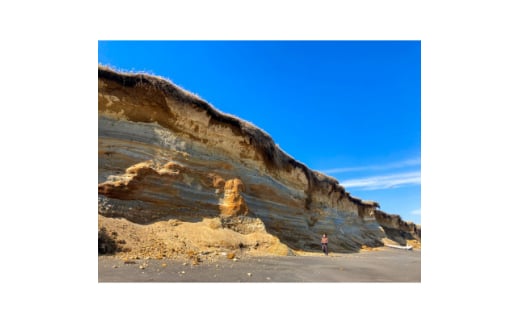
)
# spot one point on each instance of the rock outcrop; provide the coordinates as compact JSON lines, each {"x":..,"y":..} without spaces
{"x":398,"y":230}
{"x":165,"y":154}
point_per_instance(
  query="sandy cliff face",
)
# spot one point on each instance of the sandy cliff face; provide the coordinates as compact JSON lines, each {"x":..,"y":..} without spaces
{"x":398,"y":230}
{"x":165,"y":154}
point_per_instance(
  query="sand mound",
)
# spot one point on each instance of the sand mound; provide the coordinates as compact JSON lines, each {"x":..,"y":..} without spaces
{"x":197,"y":241}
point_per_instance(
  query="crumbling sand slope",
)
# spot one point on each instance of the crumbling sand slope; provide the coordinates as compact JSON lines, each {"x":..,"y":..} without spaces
{"x":197,"y":241}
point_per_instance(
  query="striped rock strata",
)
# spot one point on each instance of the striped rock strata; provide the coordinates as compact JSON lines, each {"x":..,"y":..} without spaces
{"x":166,"y":154}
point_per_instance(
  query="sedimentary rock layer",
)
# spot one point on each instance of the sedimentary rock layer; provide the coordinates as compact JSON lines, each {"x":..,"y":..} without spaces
{"x":397,"y":229}
{"x":166,"y":154}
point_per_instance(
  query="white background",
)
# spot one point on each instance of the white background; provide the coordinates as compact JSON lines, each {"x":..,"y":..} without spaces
{"x":470,"y":86}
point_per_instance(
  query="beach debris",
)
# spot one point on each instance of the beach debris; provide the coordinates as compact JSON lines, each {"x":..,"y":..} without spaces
{"x":235,"y":259}
{"x":249,"y":274}
{"x":163,"y":265}
{"x":115,"y":266}
{"x":183,"y":272}
{"x":231,"y":255}
{"x":129,"y":262}
{"x":184,"y":263}
{"x":268,"y":278}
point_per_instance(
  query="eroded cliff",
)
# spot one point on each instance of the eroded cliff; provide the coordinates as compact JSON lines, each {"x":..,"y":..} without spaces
{"x":165,"y":154}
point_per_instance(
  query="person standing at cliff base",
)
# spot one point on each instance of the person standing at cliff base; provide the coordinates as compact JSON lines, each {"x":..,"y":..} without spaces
{"x":324,"y":244}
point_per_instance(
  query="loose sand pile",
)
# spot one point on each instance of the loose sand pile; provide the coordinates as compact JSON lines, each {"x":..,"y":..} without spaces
{"x":174,"y":239}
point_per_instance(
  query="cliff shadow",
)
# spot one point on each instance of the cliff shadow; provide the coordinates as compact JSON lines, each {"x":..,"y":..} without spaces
{"x":305,"y":244}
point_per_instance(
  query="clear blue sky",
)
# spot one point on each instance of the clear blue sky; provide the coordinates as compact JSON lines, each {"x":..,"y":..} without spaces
{"x":350,"y":109}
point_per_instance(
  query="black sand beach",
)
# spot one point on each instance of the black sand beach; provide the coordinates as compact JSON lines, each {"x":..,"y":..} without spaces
{"x":385,"y":265}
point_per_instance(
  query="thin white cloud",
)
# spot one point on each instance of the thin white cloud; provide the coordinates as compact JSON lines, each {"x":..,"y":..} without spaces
{"x":416,"y":212}
{"x":384,"y":182}
{"x":400,"y":164}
